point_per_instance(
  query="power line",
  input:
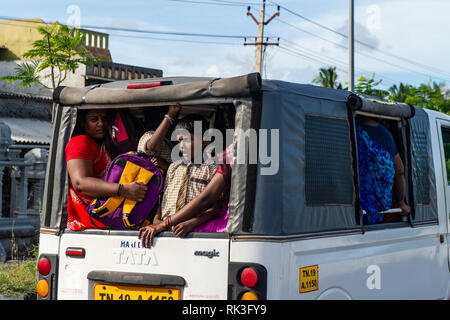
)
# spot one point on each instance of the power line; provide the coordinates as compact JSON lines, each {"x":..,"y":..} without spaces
{"x":309,"y":20}
{"x":309,"y":51}
{"x":335,"y":61}
{"x":221,"y":3}
{"x":374,"y":58}
{"x":239,"y":2}
{"x":424,"y":66}
{"x":298,"y":54}
{"x":209,"y":35}
{"x":174,"y":40}
{"x":311,"y":33}
{"x":175,"y":33}
{"x":210,"y":3}
{"x":358,"y":52}
{"x":134,"y":30}
{"x":317,"y":61}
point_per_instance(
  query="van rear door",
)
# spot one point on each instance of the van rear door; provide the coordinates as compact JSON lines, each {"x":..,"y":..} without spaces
{"x":112,"y":265}
{"x":444,"y":138}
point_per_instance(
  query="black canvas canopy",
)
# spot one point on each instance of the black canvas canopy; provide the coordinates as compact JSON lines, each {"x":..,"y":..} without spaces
{"x":239,"y":91}
{"x":314,"y":187}
{"x":244,"y":86}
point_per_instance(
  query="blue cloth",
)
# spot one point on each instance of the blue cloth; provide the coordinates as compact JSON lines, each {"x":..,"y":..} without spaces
{"x":382,"y":136}
{"x":376,"y":173}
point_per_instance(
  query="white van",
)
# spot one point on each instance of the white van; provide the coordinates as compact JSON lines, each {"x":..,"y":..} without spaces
{"x":295,"y":233}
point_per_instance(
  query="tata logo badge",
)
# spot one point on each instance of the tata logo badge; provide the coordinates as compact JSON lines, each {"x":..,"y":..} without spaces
{"x":131,"y":252}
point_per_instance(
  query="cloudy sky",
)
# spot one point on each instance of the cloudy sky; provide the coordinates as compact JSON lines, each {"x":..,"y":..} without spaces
{"x":399,"y":40}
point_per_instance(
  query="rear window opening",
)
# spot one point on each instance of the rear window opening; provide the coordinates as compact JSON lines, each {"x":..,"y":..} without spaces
{"x":398,"y":129}
{"x":220,"y":116}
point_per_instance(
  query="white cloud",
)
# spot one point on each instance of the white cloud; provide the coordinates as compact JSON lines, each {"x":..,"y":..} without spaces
{"x":213,"y":71}
{"x":414,"y":29}
{"x":362,"y":34}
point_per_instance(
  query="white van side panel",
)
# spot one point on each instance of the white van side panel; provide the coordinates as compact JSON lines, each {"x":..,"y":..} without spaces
{"x":441,"y":181}
{"x":401,"y":263}
{"x":269,"y":254}
{"x":205,"y":277}
{"x":48,"y":242}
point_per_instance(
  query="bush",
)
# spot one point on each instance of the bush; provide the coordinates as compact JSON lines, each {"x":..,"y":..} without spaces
{"x":18,"y":278}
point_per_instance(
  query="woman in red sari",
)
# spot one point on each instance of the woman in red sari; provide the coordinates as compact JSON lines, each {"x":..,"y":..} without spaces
{"x":87,"y":160}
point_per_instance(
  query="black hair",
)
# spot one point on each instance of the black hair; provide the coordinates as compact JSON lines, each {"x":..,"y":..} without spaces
{"x":153,"y":116}
{"x":188,"y":122}
{"x":229,"y":115}
{"x":359,"y":119}
{"x":224,"y":119}
{"x":81,"y":120}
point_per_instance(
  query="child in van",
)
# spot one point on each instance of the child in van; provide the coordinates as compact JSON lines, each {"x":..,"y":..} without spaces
{"x":185,"y":179}
{"x":218,"y":190}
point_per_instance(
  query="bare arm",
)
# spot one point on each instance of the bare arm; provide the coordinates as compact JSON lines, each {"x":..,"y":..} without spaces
{"x":191,"y":211}
{"x":183,"y":228}
{"x":81,"y":173}
{"x":157,"y":219}
{"x":205,"y":200}
{"x":400,"y":185}
{"x":154,"y":144}
{"x":147,"y":234}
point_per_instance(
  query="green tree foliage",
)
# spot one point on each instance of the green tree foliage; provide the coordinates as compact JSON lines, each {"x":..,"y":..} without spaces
{"x":327,"y":78}
{"x":367,"y":87}
{"x":60,"y":50}
{"x":399,"y":93}
{"x":431,"y":95}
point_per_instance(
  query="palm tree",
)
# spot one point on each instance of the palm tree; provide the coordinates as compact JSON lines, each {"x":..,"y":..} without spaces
{"x":60,"y":50}
{"x":327,"y":78}
{"x":400,"y":93}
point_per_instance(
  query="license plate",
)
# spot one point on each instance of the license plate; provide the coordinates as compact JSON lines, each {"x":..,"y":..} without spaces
{"x":124,"y":292}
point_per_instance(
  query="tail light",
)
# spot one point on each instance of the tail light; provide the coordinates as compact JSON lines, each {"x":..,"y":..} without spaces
{"x":44,"y":266}
{"x":47,"y":268}
{"x":76,"y":252}
{"x":42,"y":288}
{"x":249,"y":295}
{"x":247,"y":281}
{"x":146,"y":85}
{"x":249,"y":277}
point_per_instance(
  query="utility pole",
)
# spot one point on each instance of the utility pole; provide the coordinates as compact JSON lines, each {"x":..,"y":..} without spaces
{"x":259,"y":55}
{"x":351,"y":51}
{"x":260,"y":40}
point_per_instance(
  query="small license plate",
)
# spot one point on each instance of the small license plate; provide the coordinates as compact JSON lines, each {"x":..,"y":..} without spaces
{"x":124,"y":292}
